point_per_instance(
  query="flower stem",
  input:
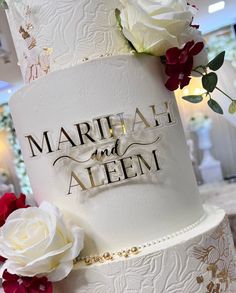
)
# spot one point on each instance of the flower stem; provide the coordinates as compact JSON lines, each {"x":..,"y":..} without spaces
{"x":194,"y":70}
{"x":201,"y":67}
{"x":224,"y":94}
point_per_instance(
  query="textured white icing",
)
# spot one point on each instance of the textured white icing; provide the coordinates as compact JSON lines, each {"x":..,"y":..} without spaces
{"x":172,"y":267}
{"x":61,"y":34}
{"x":73,"y":29}
{"x":125,"y":214}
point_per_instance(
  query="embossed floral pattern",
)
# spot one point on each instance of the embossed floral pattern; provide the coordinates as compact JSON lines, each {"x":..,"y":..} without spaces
{"x":184,"y":268}
{"x":219,"y":260}
{"x":96,"y":33}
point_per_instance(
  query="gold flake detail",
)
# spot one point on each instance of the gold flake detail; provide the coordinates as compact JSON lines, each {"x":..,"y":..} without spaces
{"x":216,"y":255}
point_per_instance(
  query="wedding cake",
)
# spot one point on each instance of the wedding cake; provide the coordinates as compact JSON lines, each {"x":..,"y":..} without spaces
{"x":103,"y":141}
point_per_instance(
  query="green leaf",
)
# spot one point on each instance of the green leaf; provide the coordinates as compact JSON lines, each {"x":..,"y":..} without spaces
{"x":118,"y":19}
{"x":217,"y":62}
{"x":193,"y":99}
{"x":232,"y":107}
{"x":209,"y":81}
{"x":215,"y":106}
{"x":3,"y":4}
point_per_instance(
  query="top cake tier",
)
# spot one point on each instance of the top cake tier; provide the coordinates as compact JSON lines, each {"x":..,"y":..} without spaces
{"x":52,"y":35}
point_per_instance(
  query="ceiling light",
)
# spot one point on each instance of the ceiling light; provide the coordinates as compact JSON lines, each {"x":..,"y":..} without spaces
{"x":216,"y":6}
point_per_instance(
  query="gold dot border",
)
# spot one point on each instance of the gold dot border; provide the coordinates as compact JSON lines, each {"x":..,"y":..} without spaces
{"x":126,"y":253}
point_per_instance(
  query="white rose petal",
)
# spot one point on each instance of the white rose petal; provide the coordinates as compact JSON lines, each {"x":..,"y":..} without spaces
{"x":59,"y":274}
{"x":154,"y":26}
{"x":38,"y":242}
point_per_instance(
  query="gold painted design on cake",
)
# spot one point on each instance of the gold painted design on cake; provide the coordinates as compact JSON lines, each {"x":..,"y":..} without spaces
{"x":25,"y":35}
{"x":200,"y":279}
{"x":48,"y":51}
{"x":220,"y":266}
{"x":37,"y":59}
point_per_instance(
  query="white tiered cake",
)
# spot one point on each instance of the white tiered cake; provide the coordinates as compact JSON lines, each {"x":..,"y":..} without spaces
{"x":103,"y":141}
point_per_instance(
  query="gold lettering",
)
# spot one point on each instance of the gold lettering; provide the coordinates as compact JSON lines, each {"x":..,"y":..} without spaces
{"x":155,"y":160}
{"x":68,"y":138}
{"x":92,"y":181}
{"x":142,"y":162}
{"x":74,"y":177}
{"x":126,"y":168}
{"x":110,"y":171}
{"x":100,"y":128}
{"x":100,"y":155}
{"x":122,"y":120}
{"x":85,"y":134}
{"x":141,"y":120}
{"x":165,"y":114}
{"x":113,"y":125}
{"x":32,"y":142}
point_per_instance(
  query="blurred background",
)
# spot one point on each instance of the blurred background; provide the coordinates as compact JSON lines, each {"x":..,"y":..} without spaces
{"x":211,"y":137}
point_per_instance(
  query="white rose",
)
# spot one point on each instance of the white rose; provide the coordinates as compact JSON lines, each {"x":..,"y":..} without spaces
{"x":38,"y":242}
{"x":154,"y":26}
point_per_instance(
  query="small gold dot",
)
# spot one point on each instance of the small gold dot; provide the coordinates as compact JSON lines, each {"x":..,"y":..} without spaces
{"x":107,"y":255}
{"x":134,"y":250}
{"x":88,"y":261}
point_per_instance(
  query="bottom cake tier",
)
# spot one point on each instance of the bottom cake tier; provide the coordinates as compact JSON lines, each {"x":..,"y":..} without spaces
{"x":201,"y":260}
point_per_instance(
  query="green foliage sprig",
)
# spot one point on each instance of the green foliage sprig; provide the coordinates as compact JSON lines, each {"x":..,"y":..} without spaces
{"x":3,"y":4}
{"x":209,"y":83}
{"x":207,"y":73}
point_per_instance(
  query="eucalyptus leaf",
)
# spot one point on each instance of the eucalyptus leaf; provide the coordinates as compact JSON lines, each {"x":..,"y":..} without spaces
{"x":232,"y":107}
{"x":215,"y":106}
{"x":3,"y":4}
{"x":118,"y":19}
{"x":209,"y":81}
{"x":217,"y":62}
{"x":193,"y":98}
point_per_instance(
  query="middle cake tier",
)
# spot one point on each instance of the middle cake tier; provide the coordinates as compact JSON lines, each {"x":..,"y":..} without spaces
{"x":104,"y":142}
